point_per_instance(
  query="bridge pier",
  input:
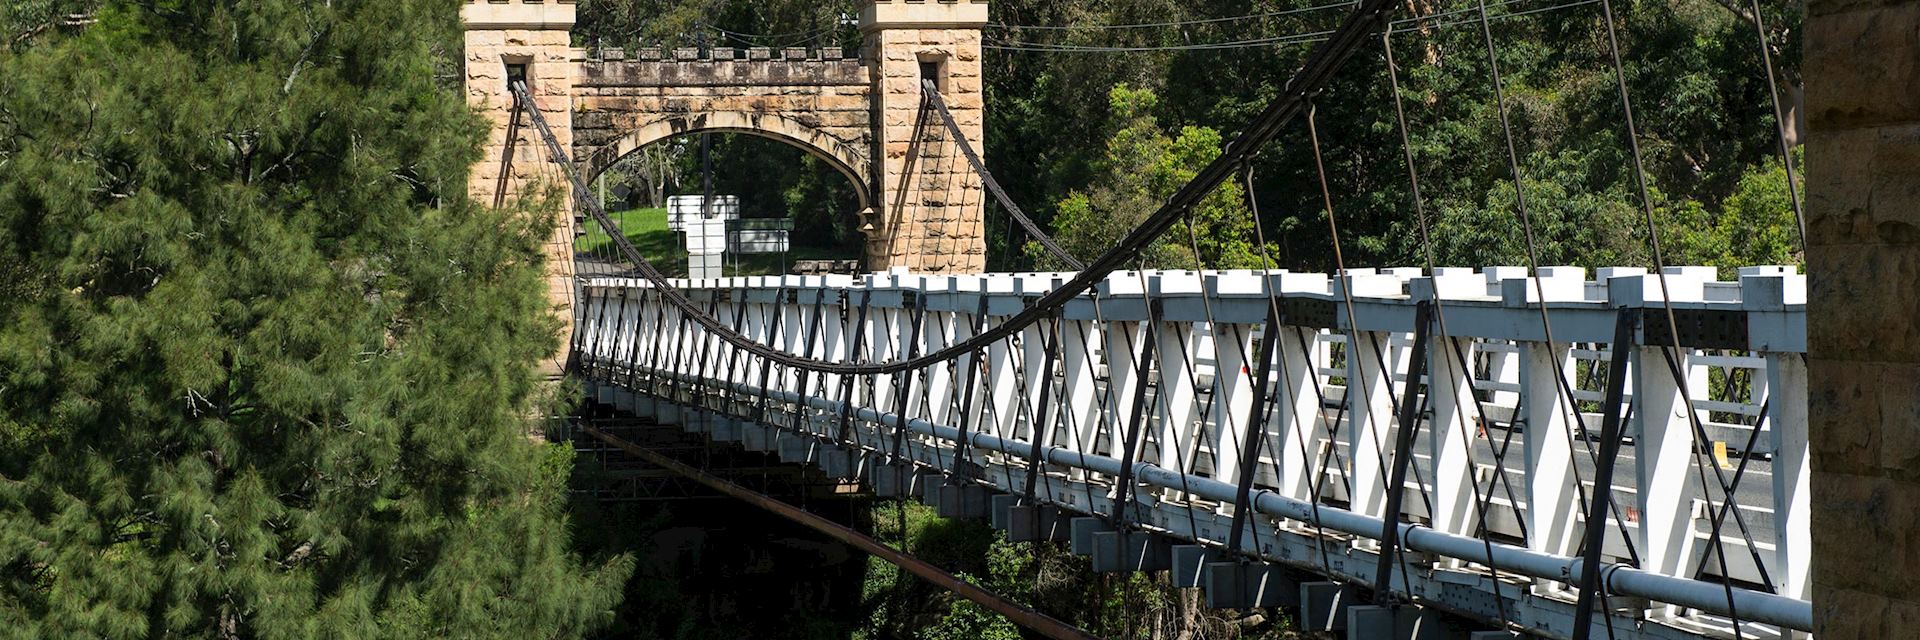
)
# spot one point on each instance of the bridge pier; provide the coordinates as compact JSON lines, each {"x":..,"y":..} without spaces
{"x":1862,"y":69}
{"x":531,"y":38}
{"x":1031,"y":523}
{"x":928,"y":215}
{"x":1324,"y":605}
{"x":1404,"y":622}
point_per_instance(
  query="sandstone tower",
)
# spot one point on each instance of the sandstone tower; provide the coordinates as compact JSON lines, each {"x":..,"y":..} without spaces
{"x":929,"y":216}
{"x":922,"y":205}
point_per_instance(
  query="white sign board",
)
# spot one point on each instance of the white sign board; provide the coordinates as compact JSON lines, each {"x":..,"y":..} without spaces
{"x":758,"y":235}
{"x":683,"y":208}
{"x":705,"y":236}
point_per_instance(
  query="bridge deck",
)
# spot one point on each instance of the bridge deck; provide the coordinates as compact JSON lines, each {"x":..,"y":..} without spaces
{"x":1173,"y":358}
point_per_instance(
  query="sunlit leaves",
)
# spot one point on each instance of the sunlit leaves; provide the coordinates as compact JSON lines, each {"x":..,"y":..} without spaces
{"x":264,"y":370}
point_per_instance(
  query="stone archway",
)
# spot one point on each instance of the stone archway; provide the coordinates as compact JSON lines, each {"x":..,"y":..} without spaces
{"x":850,"y":160}
{"x":859,"y":112}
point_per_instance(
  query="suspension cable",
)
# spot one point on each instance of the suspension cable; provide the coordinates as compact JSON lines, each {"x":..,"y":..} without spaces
{"x":1780,"y":125}
{"x":1533,"y":256}
{"x":1653,"y":241}
{"x":1457,"y":360}
{"x":1356,"y":360}
{"x":1175,"y":23}
{"x":1319,"y":69}
{"x":1279,"y":319}
{"x":933,"y":97}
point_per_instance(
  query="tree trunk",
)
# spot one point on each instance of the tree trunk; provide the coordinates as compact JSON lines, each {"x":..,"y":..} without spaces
{"x":1795,"y":104}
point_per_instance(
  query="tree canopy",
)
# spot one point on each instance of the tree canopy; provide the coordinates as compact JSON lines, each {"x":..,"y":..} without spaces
{"x":264,"y":370}
{"x":1143,"y":165}
{"x":1693,"y":67}
{"x":235,"y":254}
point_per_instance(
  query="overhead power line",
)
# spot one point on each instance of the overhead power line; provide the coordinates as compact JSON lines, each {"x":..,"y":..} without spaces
{"x":1398,"y":26}
{"x":1298,"y":38}
{"x":1314,"y":75}
{"x":1177,"y":23}
{"x":773,"y":36}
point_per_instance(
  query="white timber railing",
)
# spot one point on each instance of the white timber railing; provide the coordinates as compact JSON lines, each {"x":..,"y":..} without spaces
{"x":1707,"y":526}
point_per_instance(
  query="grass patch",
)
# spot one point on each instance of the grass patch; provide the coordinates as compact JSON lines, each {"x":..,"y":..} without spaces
{"x":647,"y":230}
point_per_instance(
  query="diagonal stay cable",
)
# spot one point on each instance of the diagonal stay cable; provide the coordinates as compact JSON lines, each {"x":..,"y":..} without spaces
{"x":1404,"y":409}
{"x":1533,"y":257}
{"x":1780,"y":124}
{"x":939,"y":103}
{"x":1279,"y":321}
{"x":1459,"y":360}
{"x":1186,"y":459}
{"x":1653,"y":240}
{"x":1699,"y":434}
{"x":1319,"y":69}
{"x":1740,"y":472}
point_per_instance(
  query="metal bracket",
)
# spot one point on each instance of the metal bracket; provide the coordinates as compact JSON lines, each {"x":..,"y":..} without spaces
{"x":1695,"y":328}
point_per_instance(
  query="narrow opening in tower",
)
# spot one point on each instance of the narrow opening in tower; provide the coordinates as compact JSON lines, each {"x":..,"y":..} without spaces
{"x":935,"y":68}
{"x":516,"y":72}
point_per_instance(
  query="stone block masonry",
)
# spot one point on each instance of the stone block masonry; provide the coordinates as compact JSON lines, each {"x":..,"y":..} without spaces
{"x":1862,"y":74}
{"x":820,"y":105}
{"x":929,"y":216}
{"x":534,"y":36}
{"x":920,"y":207}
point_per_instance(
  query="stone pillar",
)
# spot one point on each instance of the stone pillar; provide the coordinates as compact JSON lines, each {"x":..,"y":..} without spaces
{"x":1863,"y":324}
{"x":533,"y":35}
{"x":928,"y":208}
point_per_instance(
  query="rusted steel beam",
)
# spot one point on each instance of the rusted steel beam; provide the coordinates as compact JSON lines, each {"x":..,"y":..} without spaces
{"x":1020,"y":614}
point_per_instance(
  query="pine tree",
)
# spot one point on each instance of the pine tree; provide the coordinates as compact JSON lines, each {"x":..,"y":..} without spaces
{"x":265,"y":371}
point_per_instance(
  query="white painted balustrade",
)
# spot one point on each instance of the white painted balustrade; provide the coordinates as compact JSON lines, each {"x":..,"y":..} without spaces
{"x":1710,"y":487}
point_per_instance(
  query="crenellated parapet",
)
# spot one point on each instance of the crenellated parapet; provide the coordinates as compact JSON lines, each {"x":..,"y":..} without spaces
{"x":689,"y":68}
{"x":817,"y":100}
{"x":716,"y":54}
{"x":859,"y":111}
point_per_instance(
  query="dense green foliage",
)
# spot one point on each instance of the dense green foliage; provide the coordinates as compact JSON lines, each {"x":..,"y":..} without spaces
{"x":234,"y":249}
{"x":24,"y":21}
{"x":264,"y":370}
{"x":1090,"y":142}
{"x":1142,"y":166}
{"x":1693,"y":69}
{"x":1045,"y":577}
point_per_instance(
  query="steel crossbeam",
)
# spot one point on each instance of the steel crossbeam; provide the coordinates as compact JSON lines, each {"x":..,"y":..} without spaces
{"x":1132,"y":406}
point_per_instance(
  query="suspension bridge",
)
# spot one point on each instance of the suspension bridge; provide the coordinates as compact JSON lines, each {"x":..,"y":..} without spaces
{"x":1407,"y":452}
